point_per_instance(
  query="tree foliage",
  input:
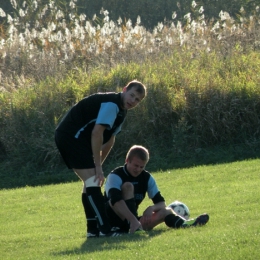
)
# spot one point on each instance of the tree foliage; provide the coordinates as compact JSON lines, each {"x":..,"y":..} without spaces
{"x":151,"y":12}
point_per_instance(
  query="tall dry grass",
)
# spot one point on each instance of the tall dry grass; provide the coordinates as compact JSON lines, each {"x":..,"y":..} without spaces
{"x":42,"y":41}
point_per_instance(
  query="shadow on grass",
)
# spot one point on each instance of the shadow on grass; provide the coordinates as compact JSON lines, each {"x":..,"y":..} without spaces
{"x":15,"y":177}
{"x":109,"y":243}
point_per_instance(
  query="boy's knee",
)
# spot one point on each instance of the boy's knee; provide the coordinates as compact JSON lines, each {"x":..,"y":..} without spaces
{"x":127,"y":190}
{"x":162,"y":213}
{"x":127,"y":187}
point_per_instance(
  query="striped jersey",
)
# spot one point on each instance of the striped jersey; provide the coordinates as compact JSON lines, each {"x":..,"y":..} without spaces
{"x":100,"y":108}
{"x":143,"y":183}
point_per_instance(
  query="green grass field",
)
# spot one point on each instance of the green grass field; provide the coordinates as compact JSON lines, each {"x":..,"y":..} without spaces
{"x":48,"y":222}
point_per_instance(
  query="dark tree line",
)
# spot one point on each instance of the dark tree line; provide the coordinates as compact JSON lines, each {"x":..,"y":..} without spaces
{"x":151,"y":12}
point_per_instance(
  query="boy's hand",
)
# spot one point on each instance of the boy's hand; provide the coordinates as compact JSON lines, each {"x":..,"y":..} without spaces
{"x":99,"y":176}
{"x":135,"y":226}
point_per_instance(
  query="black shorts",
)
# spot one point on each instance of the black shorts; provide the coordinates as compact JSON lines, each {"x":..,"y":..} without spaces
{"x":76,"y":153}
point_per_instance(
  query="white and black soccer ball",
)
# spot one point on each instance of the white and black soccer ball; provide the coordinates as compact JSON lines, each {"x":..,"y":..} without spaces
{"x":180,"y":209}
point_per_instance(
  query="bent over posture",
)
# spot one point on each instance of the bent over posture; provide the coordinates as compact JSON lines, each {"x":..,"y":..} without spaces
{"x":125,"y":189}
{"x":85,"y":137}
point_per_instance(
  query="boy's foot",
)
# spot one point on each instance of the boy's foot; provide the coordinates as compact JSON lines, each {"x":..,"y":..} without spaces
{"x":199,"y":221}
{"x":91,"y":235}
{"x":100,"y":234}
{"x":110,"y":234}
{"x":115,"y":229}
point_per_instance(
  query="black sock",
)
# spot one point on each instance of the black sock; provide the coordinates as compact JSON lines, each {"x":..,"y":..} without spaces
{"x":173,"y":221}
{"x":90,"y":214}
{"x":125,"y":226}
{"x":130,"y":203}
{"x":97,"y":202}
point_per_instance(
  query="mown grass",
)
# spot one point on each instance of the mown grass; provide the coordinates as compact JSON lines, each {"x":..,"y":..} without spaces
{"x":47,"y":222}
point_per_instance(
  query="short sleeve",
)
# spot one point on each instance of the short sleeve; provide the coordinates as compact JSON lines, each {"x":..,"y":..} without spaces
{"x":107,"y":114}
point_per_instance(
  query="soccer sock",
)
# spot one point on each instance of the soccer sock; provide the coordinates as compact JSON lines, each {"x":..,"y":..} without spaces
{"x":189,"y":222}
{"x":200,"y":220}
{"x":96,"y":200}
{"x":90,"y":214}
{"x":130,"y":203}
{"x":174,"y":221}
{"x":125,"y":226}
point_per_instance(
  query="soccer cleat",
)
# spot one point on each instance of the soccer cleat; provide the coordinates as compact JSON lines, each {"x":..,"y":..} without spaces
{"x":110,"y":234}
{"x":92,"y":234}
{"x":199,"y":221}
{"x":115,"y":229}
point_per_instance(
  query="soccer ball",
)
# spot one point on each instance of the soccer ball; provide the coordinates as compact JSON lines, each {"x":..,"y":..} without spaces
{"x":180,"y":209}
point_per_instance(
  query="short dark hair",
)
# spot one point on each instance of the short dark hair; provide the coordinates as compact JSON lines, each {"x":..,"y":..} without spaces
{"x":138,"y":151}
{"x":140,"y":87}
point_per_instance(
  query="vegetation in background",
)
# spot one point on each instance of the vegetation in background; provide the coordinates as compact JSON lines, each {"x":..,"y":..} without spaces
{"x":203,"y":102}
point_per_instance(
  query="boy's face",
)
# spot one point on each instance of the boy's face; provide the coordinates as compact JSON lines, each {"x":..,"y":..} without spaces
{"x":135,"y":166}
{"x":131,"y":98}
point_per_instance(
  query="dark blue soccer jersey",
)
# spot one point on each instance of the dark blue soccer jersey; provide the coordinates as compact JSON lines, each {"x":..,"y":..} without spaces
{"x":99,"y":108}
{"x":143,"y":183}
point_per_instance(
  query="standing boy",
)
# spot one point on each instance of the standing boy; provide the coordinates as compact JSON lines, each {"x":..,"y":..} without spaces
{"x":85,"y":137}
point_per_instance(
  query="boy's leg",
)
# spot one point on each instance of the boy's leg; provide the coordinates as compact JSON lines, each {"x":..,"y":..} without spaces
{"x":175,"y":221}
{"x":92,"y":229}
{"x":94,"y":199}
{"x":128,"y":197}
{"x":116,"y":223}
{"x":126,"y":207}
{"x":157,"y":218}
{"x":172,"y":220}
